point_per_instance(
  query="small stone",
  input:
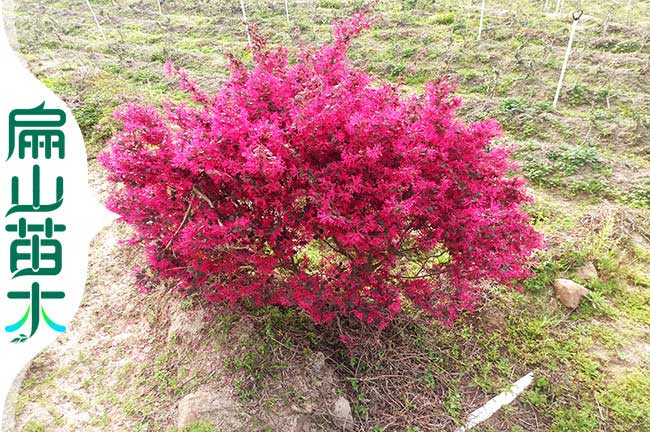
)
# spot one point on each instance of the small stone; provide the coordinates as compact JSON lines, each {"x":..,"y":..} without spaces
{"x":217,"y":406}
{"x":343,"y":413}
{"x":638,"y":242}
{"x":319,"y":371}
{"x":83,"y":417}
{"x":297,"y":423}
{"x":493,"y":317}
{"x":569,"y":293}
{"x":185,"y":324}
{"x":587,"y":272}
{"x":317,"y":363}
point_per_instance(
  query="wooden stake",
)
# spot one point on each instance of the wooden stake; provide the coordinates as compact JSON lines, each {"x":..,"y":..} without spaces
{"x":576,"y":16}
{"x":480,"y":22}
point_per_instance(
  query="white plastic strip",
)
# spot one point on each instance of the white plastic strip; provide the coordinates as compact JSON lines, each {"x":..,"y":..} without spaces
{"x":495,"y":404}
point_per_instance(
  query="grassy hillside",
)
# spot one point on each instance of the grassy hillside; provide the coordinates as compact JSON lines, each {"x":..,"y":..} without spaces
{"x":587,"y":162}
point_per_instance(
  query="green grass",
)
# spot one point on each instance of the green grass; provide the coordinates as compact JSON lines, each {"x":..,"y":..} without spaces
{"x":621,"y":398}
{"x":639,"y":196}
{"x":199,"y":426}
{"x":33,"y":426}
{"x":583,"y":419}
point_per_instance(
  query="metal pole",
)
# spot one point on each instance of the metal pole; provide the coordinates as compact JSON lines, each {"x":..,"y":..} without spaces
{"x":480,"y":23}
{"x":576,"y":16}
{"x":160,"y":7}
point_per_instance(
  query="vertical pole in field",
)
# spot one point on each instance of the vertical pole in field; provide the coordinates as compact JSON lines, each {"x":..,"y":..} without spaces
{"x":243,"y":12}
{"x":101,"y":30}
{"x":314,"y":16}
{"x":286,"y":10}
{"x":160,"y":7}
{"x":480,"y":22}
{"x":576,"y":16}
{"x":629,"y":8}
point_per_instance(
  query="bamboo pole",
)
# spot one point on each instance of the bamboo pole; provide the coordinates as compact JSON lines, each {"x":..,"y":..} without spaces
{"x":576,"y":16}
{"x":101,"y":30}
{"x":243,"y":12}
{"x":286,"y":10}
{"x":314,"y":16}
{"x":629,"y":9}
{"x":480,"y":22}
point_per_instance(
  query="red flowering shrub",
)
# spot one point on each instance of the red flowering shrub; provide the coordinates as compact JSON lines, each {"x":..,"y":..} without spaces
{"x":308,"y":184}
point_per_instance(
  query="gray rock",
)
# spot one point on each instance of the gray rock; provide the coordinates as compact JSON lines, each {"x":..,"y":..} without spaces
{"x":639,"y":242}
{"x":342,"y":414}
{"x":587,"y":272}
{"x":298,"y":423}
{"x":569,"y":293}
{"x":217,"y":406}
{"x":493,"y":317}
{"x":317,"y":363}
{"x":185,"y":324}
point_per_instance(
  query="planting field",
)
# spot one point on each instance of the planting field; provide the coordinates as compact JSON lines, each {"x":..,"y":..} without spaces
{"x":159,"y":362}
